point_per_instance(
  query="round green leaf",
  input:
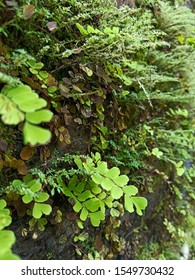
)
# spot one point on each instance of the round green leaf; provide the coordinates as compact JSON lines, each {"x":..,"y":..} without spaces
{"x":109,"y":201}
{"x":180,"y":171}
{"x":27,"y":198}
{"x":5,"y":219}
{"x":38,"y":65}
{"x":116,"y":192}
{"x":130,"y":190}
{"x":8,"y":255}
{"x":84,"y":214}
{"x":102,"y":168}
{"x":33,"y":71}
{"x":92,"y":204}
{"x":96,"y":190}
{"x":128,"y":204}
{"x":179,"y":164}
{"x":52,"y":89}
{"x":97,"y":178}
{"x":2,"y":203}
{"x":102,"y":195}
{"x":67,"y":192}
{"x":13,"y":117}
{"x":7,"y":239}
{"x":85,"y":195}
{"x":39,"y":116}
{"x":156,"y":152}
{"x":15,"y":91}
{"x":23,"y":97}
{"x":42,"y":197}
{"x":43,"y":74}
{"x":113,"y":173}
{"x":32,"y":105}
{"x":80,"y":187}
{"x":96,"y":218}
{"x":34,"y":185}
{"x":77,"y":207}
{"x":78,"y":162}
{"x":122,"y":180}
{"x":35,"y":134}
{"x":41,"y":208}
{"x":107,"y":184}
{"x":80,"y":224}
{"x":97,"y":156}
{"x":9,"y":111}
{"x":140,"y":204}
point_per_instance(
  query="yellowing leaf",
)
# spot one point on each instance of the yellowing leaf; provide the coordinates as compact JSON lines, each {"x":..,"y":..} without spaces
{"x":9,"y":111}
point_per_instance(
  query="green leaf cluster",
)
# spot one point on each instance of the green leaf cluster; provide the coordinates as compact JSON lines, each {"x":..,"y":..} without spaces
{"x":31,"y":191}
{"x":7,"y":237}
{"x":22,"y":104}
{"x":101,"y":188}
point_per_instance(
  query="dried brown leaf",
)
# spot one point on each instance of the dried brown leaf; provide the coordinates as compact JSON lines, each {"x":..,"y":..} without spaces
{"x":22,"y":169}
{"x":28,"y":11}
{"x":3,"y":145}
{"x":27,"y":152}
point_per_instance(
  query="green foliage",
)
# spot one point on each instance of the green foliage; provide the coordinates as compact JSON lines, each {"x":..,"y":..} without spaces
{"x":125,"y":75}
{"x":20,"y":104}
{"x":7,"y":237}
{"x":32,"y":195}
{"x":93,"y":187}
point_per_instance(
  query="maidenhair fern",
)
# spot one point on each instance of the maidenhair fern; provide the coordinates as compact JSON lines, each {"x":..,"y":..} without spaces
{"x":19,"y":103}
{"x":7,"y":237}
{"x":93,"y":188}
